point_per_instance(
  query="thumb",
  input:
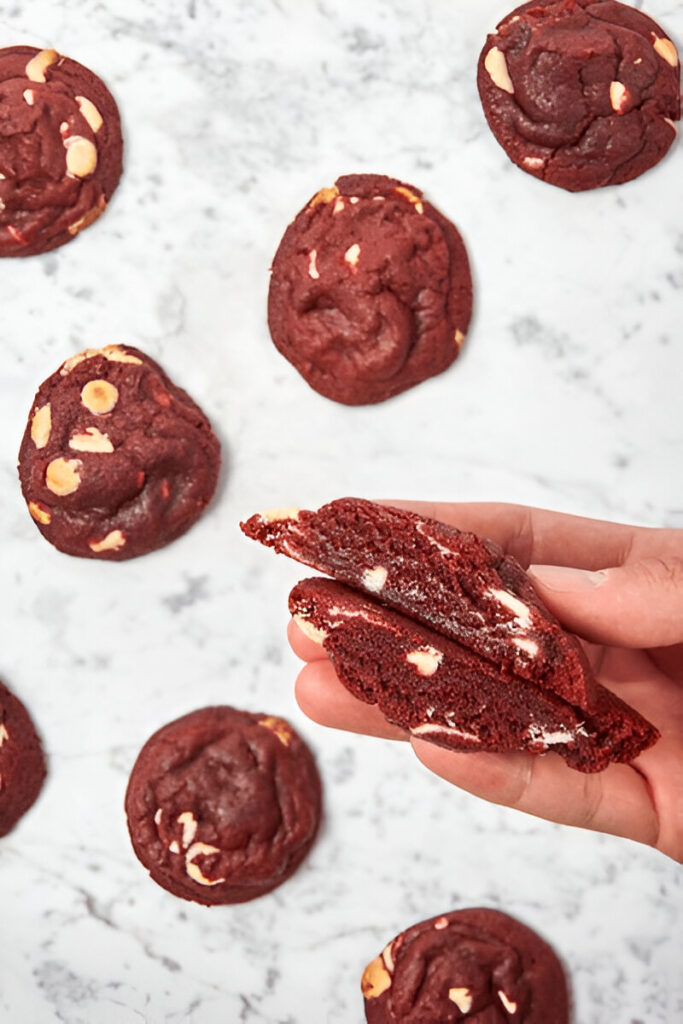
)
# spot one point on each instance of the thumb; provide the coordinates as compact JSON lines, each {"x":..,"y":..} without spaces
{"x":639,"y":604}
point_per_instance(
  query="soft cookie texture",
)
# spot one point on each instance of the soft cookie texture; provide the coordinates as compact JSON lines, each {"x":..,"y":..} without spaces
{"x":223,"y":805}
{"x":22,"y":763}
{"x":440,"y":691}
{"x":477,"y":964}
{"x":371,"y":291}
{"x":60,"y":149}
{"x":446,"y":634}
{"x":116,"y":460}
{"x":581,"y":93}
{"x":463,"y":586}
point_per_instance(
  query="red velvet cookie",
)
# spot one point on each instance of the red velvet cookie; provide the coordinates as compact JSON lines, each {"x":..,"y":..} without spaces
{"x":116,"y":460}
{"x":464,"y":587}
{"x":478,"y":965}
{"x":581,"y":93}
{"x":444,"y":693}
{"x":371,"y":291}
{"x":60,"y":149}
{"x":223,"y":805}
{"x":22,"y":764}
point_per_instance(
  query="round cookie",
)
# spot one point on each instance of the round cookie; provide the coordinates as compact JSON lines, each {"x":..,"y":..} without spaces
{"x":223,"y":805}
{"x":60,"y":149}
{"x":116,"y":460}
{"x":478,"y":965}
{"x":581,"y":93}
{"x":371,"y":291}
{"x":22,"y":764}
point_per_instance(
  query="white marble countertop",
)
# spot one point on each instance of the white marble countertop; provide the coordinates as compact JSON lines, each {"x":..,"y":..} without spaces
{"x":567,"y":395}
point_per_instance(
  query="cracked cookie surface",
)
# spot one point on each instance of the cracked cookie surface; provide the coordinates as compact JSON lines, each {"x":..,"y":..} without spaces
{"x":581,"y":93}
{"x":116,"y":460}
{"x":223,"y":805}
{"x":475,"y":964}
{"x":371,"y":291}
{"x":60,"y":149}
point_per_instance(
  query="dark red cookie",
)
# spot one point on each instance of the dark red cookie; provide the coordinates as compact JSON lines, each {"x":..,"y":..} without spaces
{"x":581,"y":93}
{"x":22,"y":764}
{"x":223,"y":805}
{"x":60,"y":149}
{"x":462,"y":586}
{"x":478,"y":965}
{"x":444,"y":693}
{"x":116,"y":460}
{"x":370,"y":291}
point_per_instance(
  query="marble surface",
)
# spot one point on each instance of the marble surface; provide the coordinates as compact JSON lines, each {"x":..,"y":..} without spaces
{"x":567,"y":395}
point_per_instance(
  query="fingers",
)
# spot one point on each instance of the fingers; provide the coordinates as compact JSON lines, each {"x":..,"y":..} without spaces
{"x":323,"y":698}
{"x":302,"y":645}
{"x":639,"y":604}
{"x":616,"y":801}
{"x":546,"y":537}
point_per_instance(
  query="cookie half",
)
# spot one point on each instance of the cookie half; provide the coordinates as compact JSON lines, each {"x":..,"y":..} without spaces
{"x":459,"y":584}
{"x":371,"y":291}
{"x":477,"y":964}
{"x":583,"y":93}
{"x":22,"y":762}
{"x":116,"y":460}
{"x":442,"y":692}
{"x":223,"y":805}
{"x":60,"y":149}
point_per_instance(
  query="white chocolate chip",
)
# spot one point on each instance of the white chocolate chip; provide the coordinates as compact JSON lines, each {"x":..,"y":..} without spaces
{"x":324,"y":195}
{"x":93,"y":440}
{"x":196,"y":850}
{"x":441,"y":923}
{"x":62,"y":476}
{"x":174,"y":846}
{"x":114,"y":541}
{"x":114,"y":353}
{"x":411,"y":197}
{"x":530,"y":647}
{"x":277,"y":515}
{"x":534,"y":163}
{"x":36,"y":67}
{"x":509,"y":1005}
{"x":90,"y":112}
{"x":339,"y":204}
{"x":352,"y":254}
{"x":425,"y":659}
{"x":619,"y":97}
{"x":41,"y":425}
{"x":99,"y":396}
{"x":280,"y":728}
{"x":513,"y":604}
{"x":374,"y":579}
{"x":672,"y":124}
{"x":189,"y":823}
{"x":41,"y":513}
{"x":309,"y":630}
{"x":458,"y":338}
{"x":29,"y":97}
{"x":388,"y":957}
{"x":434,"y":729}
{"x":462,"y":997}
{"x":81,"y":156}
{"x":4,"y":735}
{"x":666,"y":49}
{"x":89,"y":217}
{"x":376,"y":979}
{"x":157,"y":816}
{"x":312,"y":265}
{"x":497,"y":68}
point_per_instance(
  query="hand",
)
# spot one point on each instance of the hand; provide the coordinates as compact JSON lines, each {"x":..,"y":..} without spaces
{"x":619,"y":588}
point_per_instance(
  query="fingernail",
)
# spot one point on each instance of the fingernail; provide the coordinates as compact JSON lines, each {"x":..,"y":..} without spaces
{"x":564,"y":578}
